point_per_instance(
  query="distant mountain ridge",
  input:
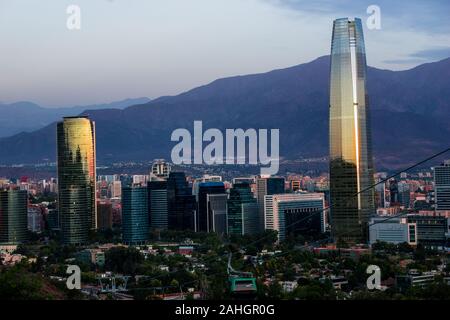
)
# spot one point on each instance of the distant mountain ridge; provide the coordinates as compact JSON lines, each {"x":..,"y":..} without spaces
{"x":410,"y":116}
{"x":27,"y":116}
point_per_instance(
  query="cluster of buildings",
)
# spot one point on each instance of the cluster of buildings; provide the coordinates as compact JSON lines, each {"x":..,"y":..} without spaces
{"x":408,"y":210}
{"x":166,"y":200}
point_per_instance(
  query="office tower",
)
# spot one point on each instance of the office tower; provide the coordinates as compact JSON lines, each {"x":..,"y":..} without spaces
{"x":182,"y":206}
{"x":351,"y":163}
{"x":394,"y":230}
{"x":205,"y":189}
{"x":76,"y":178}
{"x":380,"y":194}
{"x":52,"y":220}
{"x":35,"y":218}
{"x":242,"y":211}
{"x":217,"y":213}
{"x":135,"y":226}
{"x":116,"y":189}
{"x":157,"y":204}
{"x":393,"y":192}
{"x":104,"y":215}
{"x":404,"y":194}
{"x":295,"y":213}
{"x":13,"y":216}
{"x":160,"y":170}
{"x":442,"y":186}
{"x":267,"y":186}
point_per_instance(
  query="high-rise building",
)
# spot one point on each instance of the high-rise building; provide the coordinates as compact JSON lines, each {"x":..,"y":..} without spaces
{"x":135,"y":222}
{"x":116,"y":189}
{"x":442,"y":186}
{"x":351,"y":163}
{"x":182,"y":206}
{"x":104,"y":215}
{"x":393,"y":193}
{"x":13,"y":216}
{"x":267,"y":186}
{"x":242,"y":211}
{"x":295,"y":213}
{"x":52,"y":220}
{"x":157,"y":204}
{"x":404,"y":194}
{"x":205,"y":189}
{"x":76,"y":178}
{"x":35,"y":218}
{"x":380,"y":195}
{"x":217,"y":213}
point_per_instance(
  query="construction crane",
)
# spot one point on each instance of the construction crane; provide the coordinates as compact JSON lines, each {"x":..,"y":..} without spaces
{"x":241,"y":283}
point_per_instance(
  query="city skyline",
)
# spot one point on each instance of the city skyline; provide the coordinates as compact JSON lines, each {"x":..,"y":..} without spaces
{"x":116,"y":215}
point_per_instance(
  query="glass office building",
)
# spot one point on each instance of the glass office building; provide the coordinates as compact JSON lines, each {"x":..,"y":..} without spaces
{"x":181,"y":202}
{"x":442,"y":186}
{"x":76,"y":178}
{"x":135,"y":221}
{"x":13,"y":216}
{"x":242,"y":211}
{"x":157,"y":204}
{"x":351,"y":164}
{"x":217,"y":213}
{"x":205,"y":189}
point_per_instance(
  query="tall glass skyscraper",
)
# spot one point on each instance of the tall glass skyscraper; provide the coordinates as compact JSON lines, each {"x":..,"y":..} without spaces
{"x":76,"y":178}
{"x":157,"y":204}
{"x":205,"y":189}
{"x":13,"y":216}
{"x":182,"y":207}
{"x":242,"y":210}
{"x":351,"y":164}
{"x":135,"y":222}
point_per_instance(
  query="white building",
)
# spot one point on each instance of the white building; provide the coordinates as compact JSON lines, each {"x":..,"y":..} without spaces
{"x":298,"y":212}
{"x":395,"y":230}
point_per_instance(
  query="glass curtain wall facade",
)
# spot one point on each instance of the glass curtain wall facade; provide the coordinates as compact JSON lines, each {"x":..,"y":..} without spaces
{"x":157,"y":204}
{"x":242,"y":210}
{"x":135,"y":222}
{"x":76,"y":178}
{"x":182,"y":205}
{"x":351,"y":164}
{"x":13,"y":216}
{"x":204,"y":190}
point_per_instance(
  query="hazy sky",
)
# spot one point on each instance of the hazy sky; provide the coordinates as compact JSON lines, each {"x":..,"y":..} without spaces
{"x":134,"y":48}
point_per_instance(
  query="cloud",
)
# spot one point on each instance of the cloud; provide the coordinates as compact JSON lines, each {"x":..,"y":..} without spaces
{"x":423,"y":16}
{"x":422,"y":56}
{"x":433,"y":54}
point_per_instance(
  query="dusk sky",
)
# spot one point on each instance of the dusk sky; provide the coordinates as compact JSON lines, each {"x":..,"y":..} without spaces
{"x":135,"y":48}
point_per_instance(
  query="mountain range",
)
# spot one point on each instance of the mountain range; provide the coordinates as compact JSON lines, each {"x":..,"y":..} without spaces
{"x":410,"y":116}
{"x":27,"y":116}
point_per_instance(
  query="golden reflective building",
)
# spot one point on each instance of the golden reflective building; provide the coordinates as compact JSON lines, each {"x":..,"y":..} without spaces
{"x":351,"y":163}
{"x":76,"y":178}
